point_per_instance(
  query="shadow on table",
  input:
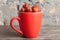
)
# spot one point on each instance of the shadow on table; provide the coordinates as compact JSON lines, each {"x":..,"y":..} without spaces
{"x":7,"y":31}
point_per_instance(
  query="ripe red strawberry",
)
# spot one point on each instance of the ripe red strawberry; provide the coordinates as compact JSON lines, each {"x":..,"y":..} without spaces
{"x":35,"y":8}
{"x":28,"y":9}
{"x":22,"y":10}
{"x":25,"y":5}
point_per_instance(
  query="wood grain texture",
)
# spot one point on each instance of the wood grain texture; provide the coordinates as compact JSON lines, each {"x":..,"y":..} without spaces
{"x":47,"y":32}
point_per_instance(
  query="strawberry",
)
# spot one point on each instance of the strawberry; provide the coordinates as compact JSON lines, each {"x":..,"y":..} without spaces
{"x":28,"y":9}
{"x":22,"y":10}
{"x":25,"y":5}
{"x":35,"y":8}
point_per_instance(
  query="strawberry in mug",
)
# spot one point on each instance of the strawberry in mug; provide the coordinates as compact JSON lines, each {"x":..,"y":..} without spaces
{"x":30,"y":20}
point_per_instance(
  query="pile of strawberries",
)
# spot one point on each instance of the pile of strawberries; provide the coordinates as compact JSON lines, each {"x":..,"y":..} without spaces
{"x":27,"y":8}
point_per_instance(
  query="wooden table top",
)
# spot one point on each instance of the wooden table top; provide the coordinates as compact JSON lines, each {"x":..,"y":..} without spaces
{"x":47,"y":33}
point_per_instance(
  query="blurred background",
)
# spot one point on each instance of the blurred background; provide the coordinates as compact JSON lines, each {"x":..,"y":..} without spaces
{"x":50,"y":8}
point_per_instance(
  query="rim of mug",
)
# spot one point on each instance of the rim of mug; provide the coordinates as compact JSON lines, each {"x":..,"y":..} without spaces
{"x":32,"y":12}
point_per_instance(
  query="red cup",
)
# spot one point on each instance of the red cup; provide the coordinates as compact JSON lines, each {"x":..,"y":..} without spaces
{"x":29,"y":23}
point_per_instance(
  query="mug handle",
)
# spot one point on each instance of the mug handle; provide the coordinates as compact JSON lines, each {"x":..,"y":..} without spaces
{"x":12,"y":26}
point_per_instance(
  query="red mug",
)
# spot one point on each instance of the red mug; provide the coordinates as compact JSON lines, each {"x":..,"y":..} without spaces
{"x":29,"y":22}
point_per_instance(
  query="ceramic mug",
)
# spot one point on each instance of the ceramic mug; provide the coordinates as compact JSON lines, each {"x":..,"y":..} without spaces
{"x":29,"y":23}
